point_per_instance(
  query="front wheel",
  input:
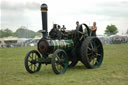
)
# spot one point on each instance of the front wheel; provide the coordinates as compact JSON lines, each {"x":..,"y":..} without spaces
{"x":59,"y":61}
{"x":31,"y":61}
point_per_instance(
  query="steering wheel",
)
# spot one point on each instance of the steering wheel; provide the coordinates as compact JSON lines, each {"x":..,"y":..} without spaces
{"x":86,"y":31}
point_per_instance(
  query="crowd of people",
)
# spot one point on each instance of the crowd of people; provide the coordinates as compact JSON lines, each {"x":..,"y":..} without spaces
{"x":115,"y":39}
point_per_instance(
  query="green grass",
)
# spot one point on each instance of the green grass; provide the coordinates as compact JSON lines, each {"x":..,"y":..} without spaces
{"x":113,"y":71}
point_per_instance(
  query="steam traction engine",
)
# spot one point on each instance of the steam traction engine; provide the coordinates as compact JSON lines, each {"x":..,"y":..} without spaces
{"x":64,"y":52}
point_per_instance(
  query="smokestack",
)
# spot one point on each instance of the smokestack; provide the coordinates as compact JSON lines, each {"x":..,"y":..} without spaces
{"x":44,"y":10}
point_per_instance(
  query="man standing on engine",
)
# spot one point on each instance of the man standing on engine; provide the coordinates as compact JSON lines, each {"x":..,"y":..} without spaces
{"x":79,"y":30}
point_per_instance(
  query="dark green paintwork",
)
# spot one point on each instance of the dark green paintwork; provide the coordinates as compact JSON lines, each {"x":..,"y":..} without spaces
{"x":63,"y":44}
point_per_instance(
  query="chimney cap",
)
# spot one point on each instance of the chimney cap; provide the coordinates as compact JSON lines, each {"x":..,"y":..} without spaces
{"x":44,"y":7}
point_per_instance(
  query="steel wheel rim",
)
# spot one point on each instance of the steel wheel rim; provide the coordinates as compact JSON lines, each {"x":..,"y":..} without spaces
{"x":61,"y":62}
{"x":31,"y":62}
{"x":95,"y":52}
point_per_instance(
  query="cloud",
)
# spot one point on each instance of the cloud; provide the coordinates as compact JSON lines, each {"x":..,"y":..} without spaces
{"x":113,"y":9}
{"x":17,"y":9}
{"x":110,"y":9}
{"x":7,"y":6}
{"x":13,"y":14}
{"x":16,"y":13}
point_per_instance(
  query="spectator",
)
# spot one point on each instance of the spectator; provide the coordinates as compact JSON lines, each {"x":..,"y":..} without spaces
{"x":94,"y":29}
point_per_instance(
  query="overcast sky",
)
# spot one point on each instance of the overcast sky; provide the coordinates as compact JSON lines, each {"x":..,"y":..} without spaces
{"x":17,"y":13}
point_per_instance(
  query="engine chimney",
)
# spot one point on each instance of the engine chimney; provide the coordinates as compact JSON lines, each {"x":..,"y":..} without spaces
{"x":44,"y":10}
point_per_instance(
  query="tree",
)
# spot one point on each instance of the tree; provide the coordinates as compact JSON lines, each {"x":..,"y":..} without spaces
{"x":1,"y":33}
{"x":127,"y":31}
{"x":38,"y":33}
{"x":111,"y":30}
{"x":5,"y":33}
{"x":22,"y":32}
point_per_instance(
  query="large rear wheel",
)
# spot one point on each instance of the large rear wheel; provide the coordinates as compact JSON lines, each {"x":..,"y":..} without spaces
{"x":92,"y":52}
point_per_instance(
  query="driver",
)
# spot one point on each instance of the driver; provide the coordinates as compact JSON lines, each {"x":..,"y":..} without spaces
{"x":79,"y":30}
{"x":53,"y":32}
{"x":59,"y":34}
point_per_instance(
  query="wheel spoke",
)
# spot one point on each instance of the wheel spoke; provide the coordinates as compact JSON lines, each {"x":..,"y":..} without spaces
{"x":36,"y":57}
{"x":97,"y":62}
{"x":90,"y":49}
{"x":90,"y":58}
{"x":91,"y":45}
{"x":32,"y":56}
{"x":34,"y":67}
{"x":89,"y":53}
{"x":98,"y":46}
{"x":58,"y":58}
{"x":93,"y":60}
{"x":98,"y":54}
{"x":29,"y":60}
{"x":31,"y":66}
{"x":63,"y":59}
{"x":57,"y":65}
{"x":60,"y":68}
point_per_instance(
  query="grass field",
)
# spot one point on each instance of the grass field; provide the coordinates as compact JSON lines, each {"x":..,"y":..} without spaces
{"x":113,"y":71}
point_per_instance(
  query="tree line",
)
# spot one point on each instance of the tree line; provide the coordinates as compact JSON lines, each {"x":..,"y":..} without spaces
{"x":21,"y":32}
